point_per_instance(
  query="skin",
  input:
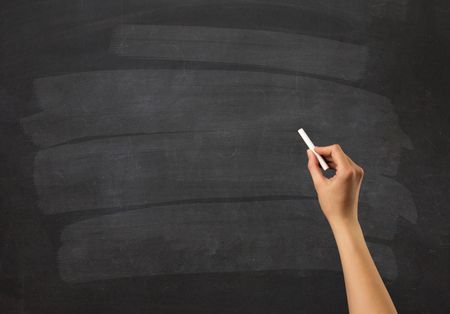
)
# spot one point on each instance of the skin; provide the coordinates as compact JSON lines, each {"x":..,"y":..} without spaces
{"x":338,"y":198}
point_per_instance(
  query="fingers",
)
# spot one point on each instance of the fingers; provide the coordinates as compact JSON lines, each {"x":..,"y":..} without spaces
{"x":333,"y":154}
{"x":314,"y":169}
{"x":336,"y":158}
{"x":356,"y":169}
{"x":330,"y":162}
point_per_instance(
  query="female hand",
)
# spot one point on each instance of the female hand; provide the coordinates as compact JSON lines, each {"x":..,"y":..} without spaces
{"x":338,"y":196}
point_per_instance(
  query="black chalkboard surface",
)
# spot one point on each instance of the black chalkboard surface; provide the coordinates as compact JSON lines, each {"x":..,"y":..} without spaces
{"x":150,"y":158}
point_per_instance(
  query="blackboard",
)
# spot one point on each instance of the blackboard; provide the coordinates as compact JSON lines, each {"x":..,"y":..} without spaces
{"x":150,"y":161}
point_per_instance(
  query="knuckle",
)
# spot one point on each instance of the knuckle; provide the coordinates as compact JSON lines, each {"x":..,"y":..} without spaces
{"x":353,"y":173}
{"x":357,"y":172}
{"x":360,"y":171}
{"x":347,"y":173}
{"x":336,"y":146}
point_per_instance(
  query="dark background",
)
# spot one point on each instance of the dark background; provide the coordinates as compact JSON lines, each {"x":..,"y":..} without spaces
{"x":42,"y":38}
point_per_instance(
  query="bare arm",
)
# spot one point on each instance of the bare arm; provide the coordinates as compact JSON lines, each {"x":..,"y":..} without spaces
{"x":338,"y":198}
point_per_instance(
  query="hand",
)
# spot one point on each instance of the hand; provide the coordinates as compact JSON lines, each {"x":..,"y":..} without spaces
{"x":338,"y":196}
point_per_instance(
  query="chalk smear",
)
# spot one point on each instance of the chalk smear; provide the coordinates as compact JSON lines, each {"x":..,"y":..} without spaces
{"x":203,"y":238}
{"x":268,"y":49}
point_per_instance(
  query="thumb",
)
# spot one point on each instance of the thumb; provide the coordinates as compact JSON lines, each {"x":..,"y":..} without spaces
{"x":314,"y":170}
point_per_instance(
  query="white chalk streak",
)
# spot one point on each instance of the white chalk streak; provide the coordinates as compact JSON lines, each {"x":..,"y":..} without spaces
{"x":275,"y":50}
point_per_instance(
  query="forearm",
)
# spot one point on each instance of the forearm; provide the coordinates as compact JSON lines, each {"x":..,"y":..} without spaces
{"x":338,"y":198}
{"x":366,"y":292}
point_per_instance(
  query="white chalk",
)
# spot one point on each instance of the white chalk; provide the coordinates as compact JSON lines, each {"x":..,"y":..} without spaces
{"x":310,"y":145}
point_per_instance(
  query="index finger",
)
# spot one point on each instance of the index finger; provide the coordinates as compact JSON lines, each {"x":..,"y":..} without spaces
{"x":335,"y":152}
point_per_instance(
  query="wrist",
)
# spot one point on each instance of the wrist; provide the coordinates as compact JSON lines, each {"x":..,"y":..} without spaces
{"x":348,"y":234}
{"x":343,"y":222}
{"x":348,"y":225}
